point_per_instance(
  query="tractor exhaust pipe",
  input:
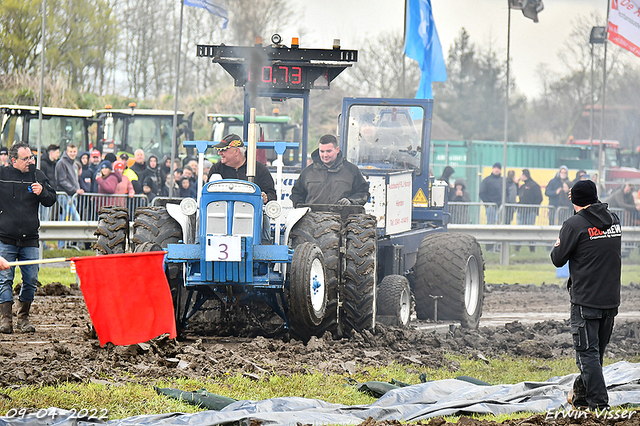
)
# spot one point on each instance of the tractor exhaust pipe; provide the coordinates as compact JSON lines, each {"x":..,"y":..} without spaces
{"x":252,"y":143}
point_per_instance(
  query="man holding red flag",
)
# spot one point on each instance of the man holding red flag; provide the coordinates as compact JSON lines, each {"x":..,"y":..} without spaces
{"x":22,"y":190}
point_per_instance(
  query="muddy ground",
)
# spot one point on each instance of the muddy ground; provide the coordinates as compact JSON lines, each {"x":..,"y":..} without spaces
{"x":521,"y":320}
{"x":517,"y":319}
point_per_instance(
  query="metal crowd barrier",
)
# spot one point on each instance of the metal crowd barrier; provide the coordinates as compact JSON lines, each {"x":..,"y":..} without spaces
{"x":55,"y":212}
{"x":471,"y":213}
{"x":85,"y":207}
{"x":522,"y":214}
{"x":527,"y":214}
{"x":88,"y":205}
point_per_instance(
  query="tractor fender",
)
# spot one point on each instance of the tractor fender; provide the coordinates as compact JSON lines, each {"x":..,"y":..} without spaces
{"x":176,"y":213}
{"x":292,"y":218}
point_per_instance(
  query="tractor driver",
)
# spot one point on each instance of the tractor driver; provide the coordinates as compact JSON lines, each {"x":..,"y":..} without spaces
{"x":233,"y":165}
{"x":330,"y":179}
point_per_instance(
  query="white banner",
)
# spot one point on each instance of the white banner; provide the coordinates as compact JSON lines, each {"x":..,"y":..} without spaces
{"x":624,"y":24}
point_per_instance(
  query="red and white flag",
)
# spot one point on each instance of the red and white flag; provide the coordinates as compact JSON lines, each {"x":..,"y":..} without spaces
{"x":127,"y":296}
{"x":624,"y":24}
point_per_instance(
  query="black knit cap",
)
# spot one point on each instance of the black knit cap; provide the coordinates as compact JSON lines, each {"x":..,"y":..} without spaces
{"x":583,"y":193}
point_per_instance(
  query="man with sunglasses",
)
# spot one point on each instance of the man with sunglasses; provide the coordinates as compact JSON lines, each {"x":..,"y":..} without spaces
{"x":22,"y":190}
{"x":233,"y":165}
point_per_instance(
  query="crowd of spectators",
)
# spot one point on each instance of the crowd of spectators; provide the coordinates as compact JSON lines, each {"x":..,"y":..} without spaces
{"x":527,"y":192}
{"x":89,"y":172}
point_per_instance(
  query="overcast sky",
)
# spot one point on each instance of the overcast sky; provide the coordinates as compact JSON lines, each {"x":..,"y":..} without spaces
{"x":485,"y":20}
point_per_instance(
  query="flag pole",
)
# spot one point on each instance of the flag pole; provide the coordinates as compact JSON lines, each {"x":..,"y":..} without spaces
{"x":175,"y":106}
{"x":601,"y":157}
{"x":506,"y":116}
{"x":41,"y":102}
{"x":39,"y":261}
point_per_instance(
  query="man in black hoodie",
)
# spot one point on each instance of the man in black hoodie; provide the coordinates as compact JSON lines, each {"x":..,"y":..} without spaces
{"x":49,"y":161}
{"x":491,"y":193}
{"x":590,"y":241}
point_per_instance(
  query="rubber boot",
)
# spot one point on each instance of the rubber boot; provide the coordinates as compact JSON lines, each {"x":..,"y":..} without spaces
{"x":576,"y":396}
{"x":6,"y":326}
{"x":23,"y":317}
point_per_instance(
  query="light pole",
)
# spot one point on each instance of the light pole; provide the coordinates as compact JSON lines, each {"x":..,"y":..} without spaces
{"x":598,"y":36}
{"x":530,"y":9}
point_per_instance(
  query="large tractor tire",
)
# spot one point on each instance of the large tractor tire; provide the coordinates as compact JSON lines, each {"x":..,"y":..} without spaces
{"x":153,"y":229}
{"x":450,"y":266}
{"x":359,"y":301}
{"x":112,"y":231}
{"x":394,"y":301}
{"x":307,"y":290}
{"x":154,"y":224}
{"x":323,"y":230}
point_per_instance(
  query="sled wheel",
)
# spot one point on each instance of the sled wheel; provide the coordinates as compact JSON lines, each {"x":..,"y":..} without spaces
{"x":450,"y":265}
{"x":394,"y":301}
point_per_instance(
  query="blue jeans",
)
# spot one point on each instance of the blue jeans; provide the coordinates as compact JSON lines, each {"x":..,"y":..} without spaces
{"x":29,"y":273}
{"x":591,"y":329}
{"x":71,"y":211}
{"x":491,"y":212}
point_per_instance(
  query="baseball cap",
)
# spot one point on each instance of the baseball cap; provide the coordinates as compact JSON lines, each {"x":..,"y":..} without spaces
{"x":118,"y":165}
{"x":105,"y":163}
{"x":4,"y":150}
{"x":583,"y":193}
{"x":230,"y":141}
{"x":95,"y":153}
{"x":497,"y":165}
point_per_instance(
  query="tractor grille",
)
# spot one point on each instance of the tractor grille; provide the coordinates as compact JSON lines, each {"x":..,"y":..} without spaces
{"x":243,"y":219}
{"x":217,"y":218}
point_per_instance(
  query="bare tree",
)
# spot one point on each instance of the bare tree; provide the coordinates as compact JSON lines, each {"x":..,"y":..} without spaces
{"x":252,"y":18}
{"x":382,"y":69}
{"x":566,"y":95}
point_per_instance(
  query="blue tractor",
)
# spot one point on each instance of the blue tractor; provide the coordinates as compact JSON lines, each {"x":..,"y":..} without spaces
{"x":326,"y":268}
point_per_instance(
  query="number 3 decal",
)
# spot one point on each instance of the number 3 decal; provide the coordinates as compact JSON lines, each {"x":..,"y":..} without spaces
{"x":223,"y":252}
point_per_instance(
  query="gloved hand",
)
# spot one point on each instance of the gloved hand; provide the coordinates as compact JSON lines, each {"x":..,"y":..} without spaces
{"x":344,"y":202}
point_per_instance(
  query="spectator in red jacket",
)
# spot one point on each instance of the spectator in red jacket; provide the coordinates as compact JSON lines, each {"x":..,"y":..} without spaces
{"x":107,"y":180}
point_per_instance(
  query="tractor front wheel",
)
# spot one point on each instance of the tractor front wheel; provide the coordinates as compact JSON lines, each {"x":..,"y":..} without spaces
{"x":307,"y":290}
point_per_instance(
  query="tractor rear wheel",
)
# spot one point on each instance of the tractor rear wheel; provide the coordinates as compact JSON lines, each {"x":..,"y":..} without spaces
{"x":154,"y":224}
{"x":112,"y":231}
{"x":323,"y":230}
{"x":154,"y":229}
{"x":394,"y":301}
{"x":450,"y":266}
{"x":307,"y":290}
{"x":359,"y":302}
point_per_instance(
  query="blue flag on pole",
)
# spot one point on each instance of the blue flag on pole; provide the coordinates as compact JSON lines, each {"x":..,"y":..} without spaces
{"x":214,"y":6}
{"x":423,"y":45}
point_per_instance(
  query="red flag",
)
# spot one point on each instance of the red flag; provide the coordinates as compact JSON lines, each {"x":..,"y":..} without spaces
{"x":127,"y":296}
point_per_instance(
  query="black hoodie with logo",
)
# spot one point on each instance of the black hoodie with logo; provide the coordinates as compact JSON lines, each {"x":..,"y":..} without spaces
{"x":590,"y":240}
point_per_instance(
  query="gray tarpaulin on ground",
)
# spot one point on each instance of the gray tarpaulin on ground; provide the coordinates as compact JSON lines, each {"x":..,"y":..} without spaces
{"x":422,"y":401}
